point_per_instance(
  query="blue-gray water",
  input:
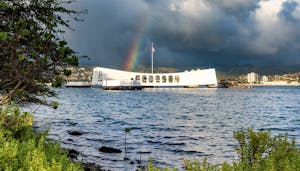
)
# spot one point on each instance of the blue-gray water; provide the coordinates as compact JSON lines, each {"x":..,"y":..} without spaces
{"x":168,"y":125}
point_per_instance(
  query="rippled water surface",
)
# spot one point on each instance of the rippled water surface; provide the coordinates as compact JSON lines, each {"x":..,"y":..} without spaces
{"x":167,"y":125}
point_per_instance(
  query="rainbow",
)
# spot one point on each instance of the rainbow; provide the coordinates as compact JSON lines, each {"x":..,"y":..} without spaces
{"x":134,"y":52}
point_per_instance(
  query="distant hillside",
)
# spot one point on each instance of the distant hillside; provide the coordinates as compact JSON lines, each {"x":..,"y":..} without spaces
{"x":157,"y":70}
{"x":263,"y":70}
{"x":234,"y":70}
{"x":227,"y":71}
{"x":225,"y":76}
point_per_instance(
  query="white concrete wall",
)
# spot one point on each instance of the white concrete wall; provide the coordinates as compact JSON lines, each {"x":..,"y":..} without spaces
{"x":116,"y":83}
{"x":78,"y":83}
{"x":189,"y":78}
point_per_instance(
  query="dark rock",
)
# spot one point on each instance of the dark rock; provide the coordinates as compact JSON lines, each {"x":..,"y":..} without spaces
{"x":109,"y":150}
{"x":138,"y":161}
{"x":75,"y":133}
{"x":233,"y":84}
{"x":69,"y":139}
{"x":141,"y":167}
{"x":35,"y":127}
{"x":73,"y":154}
{"x":132,"y":162}
{"x":91,"y":167}
{"x":72,"y":124}
{"x":126,"y":158}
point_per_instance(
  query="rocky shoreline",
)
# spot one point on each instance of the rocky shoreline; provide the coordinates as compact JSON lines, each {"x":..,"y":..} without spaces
{"x":87,"y":166}
{"x":73,"y":154}
{"x":91,"y":167}
{"x":233,"y":84}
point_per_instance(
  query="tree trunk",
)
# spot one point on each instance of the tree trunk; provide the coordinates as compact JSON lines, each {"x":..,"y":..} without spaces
{"x":7,"y":97}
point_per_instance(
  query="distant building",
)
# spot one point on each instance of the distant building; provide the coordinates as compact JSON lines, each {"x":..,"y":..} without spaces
{"x":252,"y":77}
{"x":80,"y":74}
{"x":264,"y":78}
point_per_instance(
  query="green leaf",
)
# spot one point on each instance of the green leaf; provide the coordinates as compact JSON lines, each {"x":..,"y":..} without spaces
{"x":127,"y":130}
{"x":48,"y":36}
{"x":62,"y":43}
{"x":34,"y":54}
{"x":67,"y":72}
{"x":3,"y":36}
{"x":55,"y":105}
{"x":21,"y":57}
{"x":72,"y":60}
{"x":3,"y":5}
{"x":25,"y":32}
{"x":7,"y":66}
{"x":57,"y":81}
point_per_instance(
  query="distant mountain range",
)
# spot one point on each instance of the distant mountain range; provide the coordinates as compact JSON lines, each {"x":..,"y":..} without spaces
{"x":230,"y":69}
{"x":235,"y":69}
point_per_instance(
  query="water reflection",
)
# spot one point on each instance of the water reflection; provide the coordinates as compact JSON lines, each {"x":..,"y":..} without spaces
{"x":167,"y":124}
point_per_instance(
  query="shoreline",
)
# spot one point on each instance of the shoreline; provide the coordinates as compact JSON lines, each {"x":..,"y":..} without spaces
{"x":67,"y":120}
{"x":275,"y":85}
{"x":91,"y":167}
{"x":86,"y":165}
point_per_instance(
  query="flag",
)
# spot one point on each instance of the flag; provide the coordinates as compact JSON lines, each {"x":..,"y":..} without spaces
{"x":153,"y":50}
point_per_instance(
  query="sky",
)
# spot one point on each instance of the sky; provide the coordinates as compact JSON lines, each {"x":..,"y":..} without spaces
{"x":187,"y":33}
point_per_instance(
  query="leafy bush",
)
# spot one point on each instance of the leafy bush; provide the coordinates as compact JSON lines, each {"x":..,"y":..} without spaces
{"x":12,"y":118}
{"x":257,"y":151}
{"x":151,"y":167}
{"x":23,"y":149}
{"x":33,"y":51}
{"x":57,"y":81}
{"x":55,"y":105}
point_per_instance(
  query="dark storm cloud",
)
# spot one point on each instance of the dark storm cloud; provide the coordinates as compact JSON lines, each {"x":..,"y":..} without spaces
{"x":189,"y":32}
{"x":107,"y":31}
{"x":289,"y":8}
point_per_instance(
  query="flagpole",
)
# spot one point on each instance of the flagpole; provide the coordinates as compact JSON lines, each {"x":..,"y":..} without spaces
{"x":152,"y":58}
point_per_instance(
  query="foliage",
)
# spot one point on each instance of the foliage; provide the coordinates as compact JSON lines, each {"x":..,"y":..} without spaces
{"x":67,"y":72}
{"x":127,"y":130}
{"x":252,"y":147}
{"x":32,"y":51}
{"x":32,"y":54}
{"x":201,"y":166}
{"x":257,"y":151}
{"x":23,"y":149}
{"x":13,"y":119}
{"x":57,"y":81}
{"x":151,"y":167}
{"x":55,"y":105}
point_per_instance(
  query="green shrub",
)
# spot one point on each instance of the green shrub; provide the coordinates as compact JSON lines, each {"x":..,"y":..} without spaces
{"x":23,"y":149}
{"x":151,"y":167}
{"x":13,"y":119}
{"x":55,"y":105}
{"x":257,"y":151}
{"x":57,"y":81}
{"x":200,"y":166}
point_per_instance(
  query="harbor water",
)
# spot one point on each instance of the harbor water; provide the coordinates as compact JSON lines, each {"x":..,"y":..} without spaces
{"x":167,"y":125}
